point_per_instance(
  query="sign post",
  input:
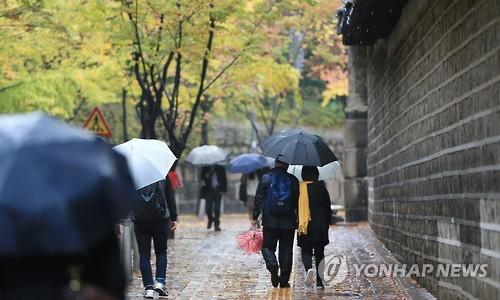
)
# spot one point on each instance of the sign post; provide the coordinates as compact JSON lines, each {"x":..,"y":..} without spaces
{"x":96,"y":123}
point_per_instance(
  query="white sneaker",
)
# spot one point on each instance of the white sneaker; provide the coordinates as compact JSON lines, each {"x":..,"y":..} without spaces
{"x":149,"y":294}
{"x":160,"y":289}
{"x":309,"y":277}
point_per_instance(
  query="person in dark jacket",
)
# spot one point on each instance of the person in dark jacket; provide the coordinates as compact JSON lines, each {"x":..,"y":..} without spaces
{"x":214,"y":184}
{"x":277,"y":227}
{"x":150,"y":224}
{"x":314,"y":241}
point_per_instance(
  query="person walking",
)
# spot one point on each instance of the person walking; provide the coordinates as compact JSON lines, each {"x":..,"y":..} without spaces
{"x":277,"y":199}
{"x":151,"y":223}
{"x":214,"y":182}
{"x":314,"y":221}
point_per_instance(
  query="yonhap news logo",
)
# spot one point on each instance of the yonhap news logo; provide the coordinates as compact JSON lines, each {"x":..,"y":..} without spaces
{"x":334,"y":269}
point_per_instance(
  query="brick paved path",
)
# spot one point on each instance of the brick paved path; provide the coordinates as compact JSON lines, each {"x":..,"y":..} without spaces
{"x":204,"y":264}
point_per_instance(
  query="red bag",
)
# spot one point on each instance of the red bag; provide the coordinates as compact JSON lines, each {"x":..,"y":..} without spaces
{"x":175,"y":180}
{"x":251,"y":241}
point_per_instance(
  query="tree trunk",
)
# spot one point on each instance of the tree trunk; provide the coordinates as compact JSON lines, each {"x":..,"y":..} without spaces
{"x":204,"y":132}
{"x":148,"y":116}
{"x":206,"y":107}
{"x":124,"y":114}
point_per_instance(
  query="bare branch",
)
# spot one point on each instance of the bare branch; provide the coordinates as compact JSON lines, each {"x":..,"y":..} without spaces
{"x":275,"y":114}
{"x":4,"y":88}
{"x":264,"y":117}
{"x":235,"y":59}
{"x":232,"y":62}
{"x":203,"y":75}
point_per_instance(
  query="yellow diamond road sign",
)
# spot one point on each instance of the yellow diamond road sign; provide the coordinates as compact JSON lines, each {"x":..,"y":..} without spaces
{"x":96,"y":123}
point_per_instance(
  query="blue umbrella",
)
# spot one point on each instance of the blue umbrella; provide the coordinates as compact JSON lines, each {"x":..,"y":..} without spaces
{"x":247,"y":163}
{"x":62,"y":190}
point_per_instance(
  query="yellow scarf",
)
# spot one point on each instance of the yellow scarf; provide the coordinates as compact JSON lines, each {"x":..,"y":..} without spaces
{"x":304,"y":213}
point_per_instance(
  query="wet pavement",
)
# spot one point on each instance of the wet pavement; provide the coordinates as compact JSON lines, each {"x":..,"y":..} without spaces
{"x":204,"y":264}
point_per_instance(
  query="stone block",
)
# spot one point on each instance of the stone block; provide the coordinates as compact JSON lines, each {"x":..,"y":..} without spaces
{"x":355,"y":199}
{"x":354,"y":162}
{"x":355,"y":133}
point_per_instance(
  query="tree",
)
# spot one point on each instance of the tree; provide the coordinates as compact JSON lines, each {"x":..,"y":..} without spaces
{"x":325,"y":55}
{"x":60,"y":53}
{"x":302,"y":38}
{"x":179,"y":50}
{"x":263,"y":89}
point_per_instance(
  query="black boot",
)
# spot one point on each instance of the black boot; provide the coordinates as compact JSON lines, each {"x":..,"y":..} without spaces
{"x":284,"y":278}
{"x":319,"y":283}
{"x":275,"y":278}
{"x":209,"y":225}
{"x":271,"y":265}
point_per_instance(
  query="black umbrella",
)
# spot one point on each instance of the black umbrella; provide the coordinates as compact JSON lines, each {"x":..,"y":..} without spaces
{"x":61,"y":189}
{"x":297,"y":147}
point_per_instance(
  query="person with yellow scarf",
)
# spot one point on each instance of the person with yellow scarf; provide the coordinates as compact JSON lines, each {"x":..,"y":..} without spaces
{"x":314,"y":221}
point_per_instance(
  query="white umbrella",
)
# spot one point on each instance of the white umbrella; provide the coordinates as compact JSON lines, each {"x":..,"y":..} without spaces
{"x":149,"y":160}
{"x":206,"y":155}
{"x":325,"y":172}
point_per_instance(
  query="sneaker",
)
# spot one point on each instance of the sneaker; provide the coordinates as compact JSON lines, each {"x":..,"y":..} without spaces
{"x":275,"y":278}
{"x":149,"y":293}
{"x":309,"y":277}
{"x":319,"y":283}
{"x":160,"y":289}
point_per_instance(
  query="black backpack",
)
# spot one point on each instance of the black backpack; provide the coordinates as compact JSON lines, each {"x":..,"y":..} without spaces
{"x":155,"y":205}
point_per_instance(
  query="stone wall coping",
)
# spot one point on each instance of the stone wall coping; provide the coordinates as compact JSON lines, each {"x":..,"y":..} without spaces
{"x":411,"y":15}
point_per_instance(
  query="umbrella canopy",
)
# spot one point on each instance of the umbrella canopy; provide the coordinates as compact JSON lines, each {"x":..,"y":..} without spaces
{"x":206,"y":155}
{"x":269,"y":161}
{"x":61,"y":189}
{"x":325,"y":172}
{"x":247,"y":163}
{"x":297,"y":147}
{"x":148,"y":160}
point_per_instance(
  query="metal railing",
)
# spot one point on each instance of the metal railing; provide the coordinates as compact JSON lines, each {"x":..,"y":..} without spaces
{"x":130,"y":252}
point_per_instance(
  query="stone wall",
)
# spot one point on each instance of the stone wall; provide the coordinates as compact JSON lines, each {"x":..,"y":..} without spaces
{"x":434,"y":141}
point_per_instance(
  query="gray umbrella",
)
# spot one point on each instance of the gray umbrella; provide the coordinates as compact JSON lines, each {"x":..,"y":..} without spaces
{"x":297,"y":147}
{"x":206,"y":155}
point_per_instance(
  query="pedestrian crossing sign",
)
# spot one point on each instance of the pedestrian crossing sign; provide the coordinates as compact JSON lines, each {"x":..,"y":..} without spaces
{"x":96,"y":123}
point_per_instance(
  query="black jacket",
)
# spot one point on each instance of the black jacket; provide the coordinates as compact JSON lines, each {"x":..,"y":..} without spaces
{"x":269,"y":220}
{"x":319,"y":207}
{"x":206,"y":178}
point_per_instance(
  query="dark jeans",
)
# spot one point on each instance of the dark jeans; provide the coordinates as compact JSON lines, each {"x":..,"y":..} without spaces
{"x":307,"y":255}
{"x":213,"y":199}
{"x":285,"y":254}
{"x":157,"y":232}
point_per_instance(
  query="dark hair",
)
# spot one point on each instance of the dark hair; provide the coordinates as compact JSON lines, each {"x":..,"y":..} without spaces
{"x":279,"y":163}
{"x":310,"y":173}
{"x":252,"y":175}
